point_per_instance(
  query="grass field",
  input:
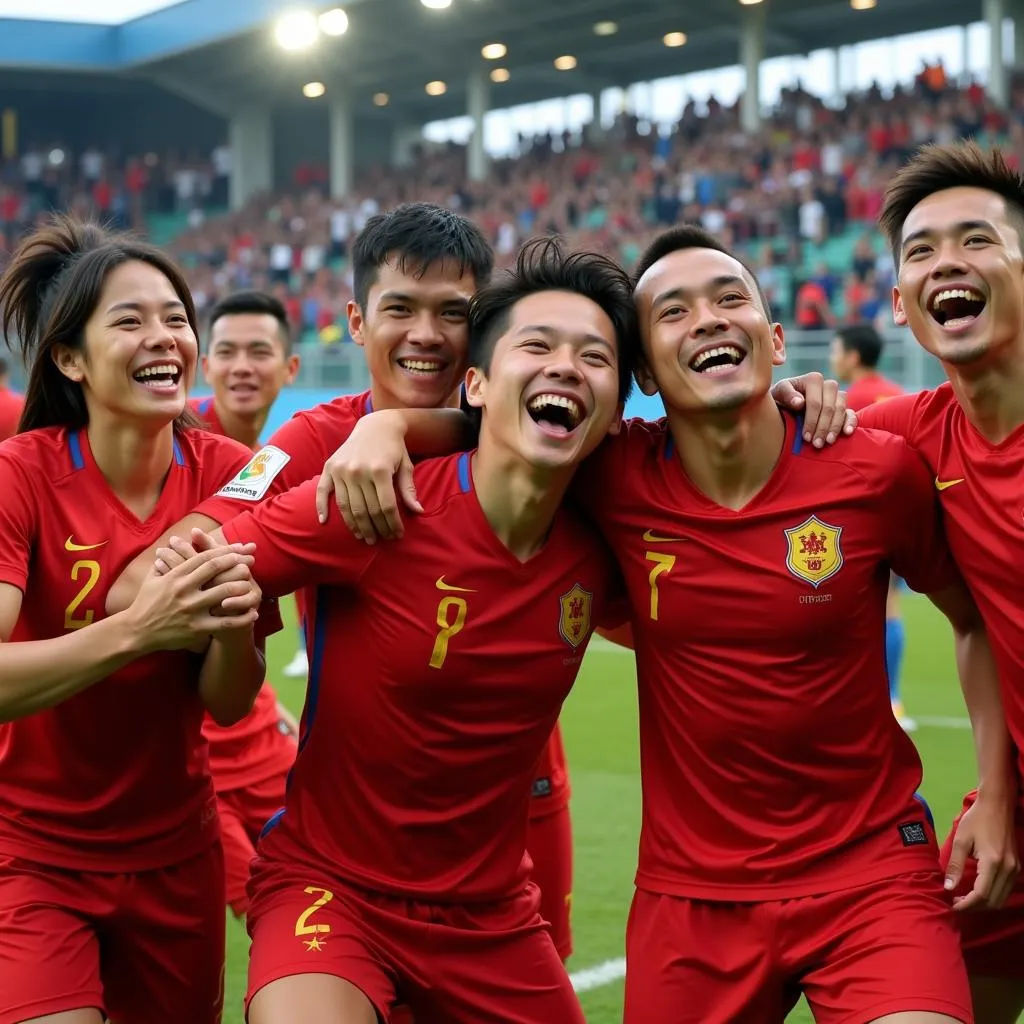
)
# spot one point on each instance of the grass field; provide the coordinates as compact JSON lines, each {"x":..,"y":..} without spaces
{"x":601,"y":737}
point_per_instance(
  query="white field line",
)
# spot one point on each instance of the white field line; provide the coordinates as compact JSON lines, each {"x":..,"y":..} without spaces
{"x":599,"y":976}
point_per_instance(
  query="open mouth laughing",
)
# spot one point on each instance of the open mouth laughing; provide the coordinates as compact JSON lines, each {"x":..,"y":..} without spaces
{"x":556,"y":414}
{"x":159,"y":376}
{"x":718,"y":359}
{"x":956,"y":307}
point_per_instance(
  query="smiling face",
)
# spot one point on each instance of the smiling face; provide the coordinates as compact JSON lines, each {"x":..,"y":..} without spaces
{"x":247,"y":364}
{"x":960,"y":286}
{"x":707,"y":341}
{"x":551,"y":393}
{"x":139,"y":351}
{"x":413,"y":330}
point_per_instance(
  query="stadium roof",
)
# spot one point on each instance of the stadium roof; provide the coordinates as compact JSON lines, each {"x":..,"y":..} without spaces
{"x":222,"y":53}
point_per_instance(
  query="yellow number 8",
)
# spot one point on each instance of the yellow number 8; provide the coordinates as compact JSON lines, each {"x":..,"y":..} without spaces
{"x":92,"y":569}
{"x":445,"y":629}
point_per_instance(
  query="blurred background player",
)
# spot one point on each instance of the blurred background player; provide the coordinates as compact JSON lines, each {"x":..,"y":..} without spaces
{"x":109,"y":837}
{"x":855,"y":354}
{"x":10,"y":404}
{"x":248,"y":361}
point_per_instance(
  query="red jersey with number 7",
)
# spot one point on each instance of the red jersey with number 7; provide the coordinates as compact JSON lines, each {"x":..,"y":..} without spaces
{"x":438,"y":667}
{"x":115,"y":778}
{"x":772,"y":765}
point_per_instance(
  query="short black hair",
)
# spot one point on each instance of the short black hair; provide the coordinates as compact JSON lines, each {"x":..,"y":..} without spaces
{"x":415,"y":237}
{"x":257,"y":302}
{"x":936,"y":168}
{"x":864,"y":340}
{"x":544,"y":266}
{"x":693,"y":236}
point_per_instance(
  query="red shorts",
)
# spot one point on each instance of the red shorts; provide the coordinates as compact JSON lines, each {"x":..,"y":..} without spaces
{"x":992,"y":940}
{"x":243,"y":813}
{"x":877,"y":949}
{"x":460,"y":964}
{"x":550,"y":846}
{"x":144,"y":946}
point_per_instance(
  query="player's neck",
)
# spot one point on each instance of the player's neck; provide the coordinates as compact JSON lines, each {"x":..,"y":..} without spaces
{"x":992,"y":398}
{"x":243,"y":429}
{"x":860,"y":372}
{"x":133,"y":461}
{"x":729,"y":456}
{"x":518,"y":501}
{"x":381,"y":399}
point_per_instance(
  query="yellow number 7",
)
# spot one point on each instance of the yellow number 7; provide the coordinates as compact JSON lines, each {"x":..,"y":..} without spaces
{"x":445,"y":629}
{"x":662,"y":564}
{"x":93,"y":570}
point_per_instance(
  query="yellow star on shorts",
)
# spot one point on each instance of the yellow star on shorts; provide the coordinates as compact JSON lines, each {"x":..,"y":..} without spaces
{"x":314,"y":944}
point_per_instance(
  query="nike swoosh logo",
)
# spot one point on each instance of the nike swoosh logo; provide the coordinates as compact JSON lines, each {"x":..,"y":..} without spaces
{"x":441,"y":585}
{"x":70,"y":545}
{"x":652,"y":538}
{"x":941,"y":485}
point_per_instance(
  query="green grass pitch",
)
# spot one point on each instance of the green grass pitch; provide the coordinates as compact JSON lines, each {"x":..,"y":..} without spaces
{"x":601,"y":738}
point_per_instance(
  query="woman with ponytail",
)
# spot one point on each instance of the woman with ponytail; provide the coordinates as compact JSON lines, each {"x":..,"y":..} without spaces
{"x":111,"y":876}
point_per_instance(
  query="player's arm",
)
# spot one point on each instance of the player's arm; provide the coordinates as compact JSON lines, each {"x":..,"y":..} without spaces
{"x":826,"y":416}
{"x":895,"y":416}
{"x":922,"y":558}
{"x":234,"y":665}
{"x":364,"y":471}
{"x":169,"y":613}
{"x":286,"y":472}
{"x":293,"y":549}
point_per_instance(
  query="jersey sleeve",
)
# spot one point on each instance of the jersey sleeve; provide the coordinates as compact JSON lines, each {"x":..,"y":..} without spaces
{"x":895,"y":415}
{"x":293,"y":454}
{"x":293,"y":548}
{"x":18,"y":517}
{"x":919,"y":552}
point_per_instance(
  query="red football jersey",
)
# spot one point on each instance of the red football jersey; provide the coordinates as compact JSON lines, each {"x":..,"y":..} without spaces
{"x":979,"y":488}
{"x":11,"y":404}
{"x":772,"y":765}
{"x":206,"y":410}
{"x":869,"y":390}
{"x":248,"y":751}
{"x":115,"y":778}
{"x":426,"y":715}
{"x":295,"y":453}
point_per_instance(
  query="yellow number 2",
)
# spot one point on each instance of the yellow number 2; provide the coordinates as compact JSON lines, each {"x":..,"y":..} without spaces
{"x":91,"y":570}
{"x":445,"y":629}
{"x":301,"y":925}
{"x":662,"y":564}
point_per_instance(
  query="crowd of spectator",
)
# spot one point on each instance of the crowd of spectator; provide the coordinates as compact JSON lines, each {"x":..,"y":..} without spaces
{"x":812,"y":174}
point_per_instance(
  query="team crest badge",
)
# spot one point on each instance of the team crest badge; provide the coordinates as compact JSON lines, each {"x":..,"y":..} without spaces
{"x":814,"y":553}
{"x":253,"y":481}
{"x":574,"y":624}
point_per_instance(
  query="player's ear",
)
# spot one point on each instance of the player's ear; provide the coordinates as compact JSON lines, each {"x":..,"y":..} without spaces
{"x":355,"y":321}
{"x":616,"y":424}
{"x":778,"y":345}
{"x":69,"y":362}
{"x":899,"y":314}
{"x":204,"y":361}
{"x":476,"y":387}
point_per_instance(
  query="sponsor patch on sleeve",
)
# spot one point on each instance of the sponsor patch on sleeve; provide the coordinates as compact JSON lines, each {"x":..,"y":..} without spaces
{"x":254,"y":479}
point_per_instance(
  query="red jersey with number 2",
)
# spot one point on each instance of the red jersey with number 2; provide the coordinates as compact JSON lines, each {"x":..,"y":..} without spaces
{"x":115,"y":778}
